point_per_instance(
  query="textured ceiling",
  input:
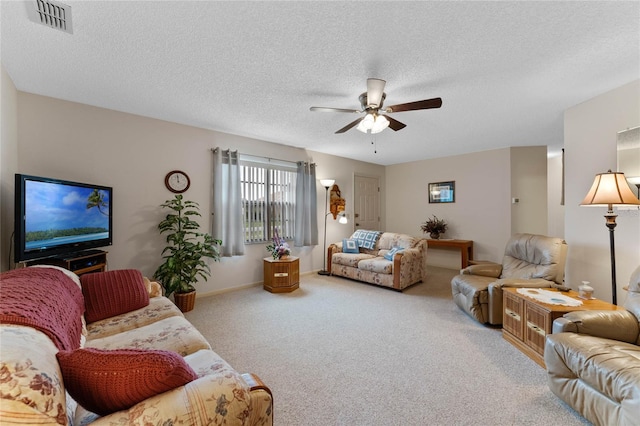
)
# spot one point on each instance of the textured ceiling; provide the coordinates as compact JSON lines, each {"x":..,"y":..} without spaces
{"x":506,"y":71}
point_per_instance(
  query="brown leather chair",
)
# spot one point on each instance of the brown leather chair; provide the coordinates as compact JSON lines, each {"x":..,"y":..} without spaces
{"x":593,"y":361}
{"x":529,"y":261}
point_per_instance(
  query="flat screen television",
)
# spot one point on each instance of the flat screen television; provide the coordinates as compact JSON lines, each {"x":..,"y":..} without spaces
{"x":55,"y":217}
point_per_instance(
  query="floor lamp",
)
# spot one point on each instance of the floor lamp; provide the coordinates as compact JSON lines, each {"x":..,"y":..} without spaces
{"x":610,"y":189}
{"x":327,"y":183}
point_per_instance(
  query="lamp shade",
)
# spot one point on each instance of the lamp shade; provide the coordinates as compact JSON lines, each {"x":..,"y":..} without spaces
{"x":610,"y":188}
{"x":327,"y":182}
{"x":380,"y":124}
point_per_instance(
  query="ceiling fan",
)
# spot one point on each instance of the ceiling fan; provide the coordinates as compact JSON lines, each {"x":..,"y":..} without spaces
{"x":375,"y":119}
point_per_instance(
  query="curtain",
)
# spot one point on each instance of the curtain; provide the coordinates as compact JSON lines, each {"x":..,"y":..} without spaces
{"x":227,"y":203}
{"x":306,"y":221}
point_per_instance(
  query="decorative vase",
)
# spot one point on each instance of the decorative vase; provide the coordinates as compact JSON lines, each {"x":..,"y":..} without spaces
{"x":284,"y":257}
{"x":185,"y":301}
{"x":434,"y":235}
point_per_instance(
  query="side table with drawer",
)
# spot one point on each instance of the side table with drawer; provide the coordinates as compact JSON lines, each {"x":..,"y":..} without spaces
{"x":281,"y":275}
{"x":526,"y":321}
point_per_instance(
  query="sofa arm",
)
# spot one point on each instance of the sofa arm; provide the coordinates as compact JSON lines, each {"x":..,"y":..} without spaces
{"x":333,"y":248}
{"x":489,"y":269}
{"x":210,"y":399}
{"x":619,"y":325}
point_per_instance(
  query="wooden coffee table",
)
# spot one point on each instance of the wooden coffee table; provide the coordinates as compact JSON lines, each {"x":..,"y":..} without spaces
{"x":526,"y":321}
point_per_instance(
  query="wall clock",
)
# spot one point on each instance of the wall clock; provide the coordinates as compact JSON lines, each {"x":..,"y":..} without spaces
{"x":177,"y":181}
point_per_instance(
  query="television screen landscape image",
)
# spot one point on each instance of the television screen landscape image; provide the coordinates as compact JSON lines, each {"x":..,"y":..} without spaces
{"x":60,"y":217}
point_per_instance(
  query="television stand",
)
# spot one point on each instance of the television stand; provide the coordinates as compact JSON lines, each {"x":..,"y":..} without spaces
{"x":83,"y":262}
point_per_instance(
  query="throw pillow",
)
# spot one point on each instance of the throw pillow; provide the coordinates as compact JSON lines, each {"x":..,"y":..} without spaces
{"x":389,"y":255}
{"x":111,"y":293}
{"x":366,"y":239}
{"x":106,"y":381}
{"x":350,"y":246}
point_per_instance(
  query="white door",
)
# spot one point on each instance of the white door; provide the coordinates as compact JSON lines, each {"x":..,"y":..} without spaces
{"x":367,"y":203}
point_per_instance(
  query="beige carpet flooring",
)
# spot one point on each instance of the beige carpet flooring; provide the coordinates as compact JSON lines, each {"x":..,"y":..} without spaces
{"x":339,"y":352}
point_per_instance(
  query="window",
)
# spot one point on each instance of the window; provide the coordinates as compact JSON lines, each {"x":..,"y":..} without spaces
{"x":268,"y":199}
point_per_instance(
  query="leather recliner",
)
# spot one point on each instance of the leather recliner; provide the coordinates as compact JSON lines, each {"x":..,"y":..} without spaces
{"x":529,"y":261}
{"x":593,"y":361}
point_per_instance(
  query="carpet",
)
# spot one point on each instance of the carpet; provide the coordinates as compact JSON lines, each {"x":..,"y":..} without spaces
{"x":340,"y":352}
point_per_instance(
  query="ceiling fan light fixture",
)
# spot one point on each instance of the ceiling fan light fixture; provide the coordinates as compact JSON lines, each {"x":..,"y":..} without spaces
{"x":380,"y":124}
{"x":366,"y":123}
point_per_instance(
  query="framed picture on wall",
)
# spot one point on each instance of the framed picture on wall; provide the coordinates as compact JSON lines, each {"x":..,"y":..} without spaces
{"x":442,"y":192}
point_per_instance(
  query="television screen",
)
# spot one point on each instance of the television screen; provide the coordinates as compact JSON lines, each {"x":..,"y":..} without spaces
{"x":56,"y":217}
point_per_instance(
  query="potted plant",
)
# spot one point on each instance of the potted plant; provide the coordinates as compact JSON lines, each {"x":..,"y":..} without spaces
{"x":279,"y":248}
{"x":185,"y":253}
{"x":434,"y":227}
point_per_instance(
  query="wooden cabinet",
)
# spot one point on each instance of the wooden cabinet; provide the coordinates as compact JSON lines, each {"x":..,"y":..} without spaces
{"x":78,"y":263}
{"x":281,"y":275}
{"x":526,"y":321}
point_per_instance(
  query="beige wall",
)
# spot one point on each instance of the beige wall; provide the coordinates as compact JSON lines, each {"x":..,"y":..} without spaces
{"x":8,"y":162}
{"x":590,"y":132}
{"x":555,"y":210}
{"x":529,"y":186}
{"x":481,"y":212}
{"x":132,"y":154}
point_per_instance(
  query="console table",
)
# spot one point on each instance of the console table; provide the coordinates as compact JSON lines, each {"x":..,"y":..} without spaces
{"x":465,"y":247}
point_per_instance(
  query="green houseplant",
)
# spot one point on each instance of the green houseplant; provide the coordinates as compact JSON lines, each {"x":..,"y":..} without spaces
{"x":434,"y":227}
{"x":186,"y":250}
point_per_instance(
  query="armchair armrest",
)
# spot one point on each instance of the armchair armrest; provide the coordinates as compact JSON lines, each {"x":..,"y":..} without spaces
{"x":617,"y":325}
{"x":488,"y":269}
{"x":208,"y":399}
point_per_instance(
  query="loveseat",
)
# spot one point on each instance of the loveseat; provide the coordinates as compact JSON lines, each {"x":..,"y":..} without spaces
{"x":529,"y":260}
{"x":110,"y":349}
{"x":593,"y":361}
{"x":387,"y":259}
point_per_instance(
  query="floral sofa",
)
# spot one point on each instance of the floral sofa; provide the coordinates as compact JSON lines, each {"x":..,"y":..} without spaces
{"x":386,"y":259}
{"x":110,"y":349}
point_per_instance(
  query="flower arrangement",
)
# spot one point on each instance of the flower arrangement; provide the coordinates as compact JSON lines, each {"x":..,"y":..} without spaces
{"x":279,"y":247}
{"x":434,"y":227}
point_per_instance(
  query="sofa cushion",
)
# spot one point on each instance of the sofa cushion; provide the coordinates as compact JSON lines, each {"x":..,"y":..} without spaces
{"x":350,"y":246}
{"x":158,"y":309}
{"x":393,"y":239}
{"x":378,"y":264}
{"x":174,"y":333}
{"x":107,"y":381}
{"x":30,"y":382}
{"x":349,"y":259}
{"x":366,"y":239}
{"x":107,"y":294}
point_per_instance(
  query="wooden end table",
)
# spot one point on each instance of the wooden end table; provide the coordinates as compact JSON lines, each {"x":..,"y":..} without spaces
{"x":281,"y":275}
{"x":526,"y":321}
{"x":464,"y":246}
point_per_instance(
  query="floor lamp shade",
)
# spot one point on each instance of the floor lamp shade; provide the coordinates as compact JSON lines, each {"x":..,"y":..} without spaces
{"x":610,"y":189}
{"x":327,"y":183}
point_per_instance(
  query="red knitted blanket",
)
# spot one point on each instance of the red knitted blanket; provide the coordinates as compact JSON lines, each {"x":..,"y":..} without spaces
{"x":45,"y":299}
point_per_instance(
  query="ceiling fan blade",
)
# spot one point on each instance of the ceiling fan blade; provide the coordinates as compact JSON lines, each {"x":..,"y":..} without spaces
{"x":395,"y":124}
{"x":412,"y":106}
{"x":349,"y":126}
{"x":375,"y":89}
{"x":328,"y":109}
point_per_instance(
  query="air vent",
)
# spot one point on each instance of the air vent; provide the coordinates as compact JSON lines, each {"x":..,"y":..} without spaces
{"x":52,"y":14}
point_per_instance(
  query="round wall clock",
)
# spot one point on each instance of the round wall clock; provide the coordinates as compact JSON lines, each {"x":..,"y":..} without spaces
{"x":177,"y":181}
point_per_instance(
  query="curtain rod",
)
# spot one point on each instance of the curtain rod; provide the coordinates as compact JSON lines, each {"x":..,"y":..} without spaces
{"x":260,"y":159}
